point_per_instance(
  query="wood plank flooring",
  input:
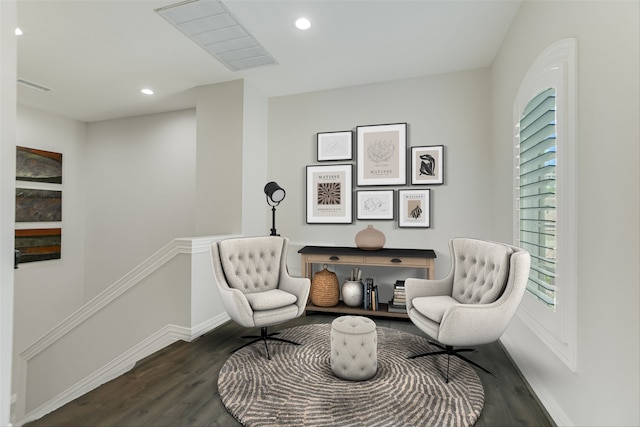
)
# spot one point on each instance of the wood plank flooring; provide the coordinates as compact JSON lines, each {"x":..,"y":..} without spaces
{"x":177,"y":386}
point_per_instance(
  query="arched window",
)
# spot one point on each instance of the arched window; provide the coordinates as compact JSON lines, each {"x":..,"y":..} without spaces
{"x":545,"y":196}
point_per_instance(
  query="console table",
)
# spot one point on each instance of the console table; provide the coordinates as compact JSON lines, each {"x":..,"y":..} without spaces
{"x":385,"y":257}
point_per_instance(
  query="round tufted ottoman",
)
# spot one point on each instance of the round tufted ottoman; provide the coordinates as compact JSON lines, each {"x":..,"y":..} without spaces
{"x":354,"y":348}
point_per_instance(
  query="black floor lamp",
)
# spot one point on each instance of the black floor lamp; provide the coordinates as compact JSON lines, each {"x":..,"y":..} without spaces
{"x":275,"y":194}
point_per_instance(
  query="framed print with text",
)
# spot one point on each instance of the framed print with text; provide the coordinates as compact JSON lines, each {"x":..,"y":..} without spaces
{"x":414,"y":207}
{"x":381,"y":152}
{"x":335,"y":145}
{"x":329,"y":194}
{"x":427,"y":165}
{"x":377,"y":204}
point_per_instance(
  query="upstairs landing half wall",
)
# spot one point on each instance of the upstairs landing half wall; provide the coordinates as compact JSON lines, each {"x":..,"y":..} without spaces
{"x":170,"y":296}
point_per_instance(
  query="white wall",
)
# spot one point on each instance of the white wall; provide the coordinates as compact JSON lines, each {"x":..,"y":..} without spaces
{"x":126,"y":193}
{"x":164,"y":298}
{"x":8,"y":62}
{"x":605,"y":389}
{"x":254,"y":165}
{"x":130,"y":186}
{"x":449,"y":110}
{"x":170,"y":296}
{"x":219,"y":158}
{"x":52,"y":288}
{"x":140,"y":179}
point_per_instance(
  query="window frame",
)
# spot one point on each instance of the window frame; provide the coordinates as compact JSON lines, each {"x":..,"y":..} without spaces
{"x":555,"y":67}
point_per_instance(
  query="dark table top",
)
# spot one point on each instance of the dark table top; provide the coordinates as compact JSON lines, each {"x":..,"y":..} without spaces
{"x":344,"y":250}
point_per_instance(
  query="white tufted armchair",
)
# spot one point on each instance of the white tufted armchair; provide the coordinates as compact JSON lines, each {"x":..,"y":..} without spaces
{"x":255,"y":286}
{"x":475,"y":302}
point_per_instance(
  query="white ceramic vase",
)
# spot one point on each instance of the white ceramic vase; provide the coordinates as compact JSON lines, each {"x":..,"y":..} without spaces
{"x":352,"y":293}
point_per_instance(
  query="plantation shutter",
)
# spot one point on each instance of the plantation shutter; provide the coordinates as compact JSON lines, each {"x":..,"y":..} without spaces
{"x":537,"y":193}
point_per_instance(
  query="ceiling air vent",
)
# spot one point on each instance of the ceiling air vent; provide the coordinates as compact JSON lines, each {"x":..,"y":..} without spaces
{"x":32,"y":85}
{"x":210,"y":25}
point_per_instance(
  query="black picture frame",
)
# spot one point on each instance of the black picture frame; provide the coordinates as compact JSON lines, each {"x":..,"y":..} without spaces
{"x":375,"y":204}
{"x":414,"y":208}
{"x":381,"y":154}
{"x":332,"y":146}
{"x":329,"y":194}
{"x":427,"y":165}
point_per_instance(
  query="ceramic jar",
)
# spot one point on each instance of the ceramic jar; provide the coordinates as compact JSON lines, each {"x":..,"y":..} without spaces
{"x":370,"y":239}
{"x":352,"y":293}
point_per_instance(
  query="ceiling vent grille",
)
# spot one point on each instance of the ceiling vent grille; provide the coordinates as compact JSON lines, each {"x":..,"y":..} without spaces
{"x":209,"y":24}
{"x":32,"y":85}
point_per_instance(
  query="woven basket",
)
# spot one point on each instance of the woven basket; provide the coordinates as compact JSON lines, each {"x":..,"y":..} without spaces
{"x":325,"y":290}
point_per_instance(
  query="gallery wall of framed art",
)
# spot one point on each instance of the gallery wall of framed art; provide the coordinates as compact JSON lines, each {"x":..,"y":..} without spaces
{"x":38,"y":205}
{"x":385,"y":179}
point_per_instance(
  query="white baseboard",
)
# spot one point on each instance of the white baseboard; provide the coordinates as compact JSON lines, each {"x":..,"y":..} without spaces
{"x":209,"y":325}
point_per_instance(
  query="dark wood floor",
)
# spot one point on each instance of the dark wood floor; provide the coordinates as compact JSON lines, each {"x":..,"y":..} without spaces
{"x":177,"y":386}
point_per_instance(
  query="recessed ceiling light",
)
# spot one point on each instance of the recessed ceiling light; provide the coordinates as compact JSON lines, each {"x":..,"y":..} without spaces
{"x":146,"y":91}
{"x":18,"y":32}
{"x":303,"y":24}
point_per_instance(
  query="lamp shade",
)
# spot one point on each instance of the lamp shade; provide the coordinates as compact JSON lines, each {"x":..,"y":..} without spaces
{"x":274,"y":192}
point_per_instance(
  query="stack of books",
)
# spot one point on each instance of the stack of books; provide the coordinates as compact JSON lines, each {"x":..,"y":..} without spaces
{"x":371,"y":296}
{"x":398,"y":303}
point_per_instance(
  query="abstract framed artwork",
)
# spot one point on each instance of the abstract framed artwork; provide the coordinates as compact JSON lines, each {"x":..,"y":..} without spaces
{"x":335,"y":145}
{"x":414,"y":207}
{"x":39,"y":244}
{"x":38,"y":165}
{"x":38,"y":205}
{"x":375,"y":204}
{"x":427,"y":165}
{"x":329,"y":195}
{"x":381,"y":152}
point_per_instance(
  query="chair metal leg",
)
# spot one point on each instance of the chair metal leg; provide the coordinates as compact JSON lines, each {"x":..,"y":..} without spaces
{"x":431,"y":353}
{"x":264,"y":336}
{"x":449,"y":351}
{"x":246,"y":344}
{"x":474,"y":363}
{"x":266,"y":347}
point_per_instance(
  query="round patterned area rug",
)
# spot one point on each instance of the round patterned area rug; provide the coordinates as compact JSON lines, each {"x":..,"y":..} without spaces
{"x":297,"y":387}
